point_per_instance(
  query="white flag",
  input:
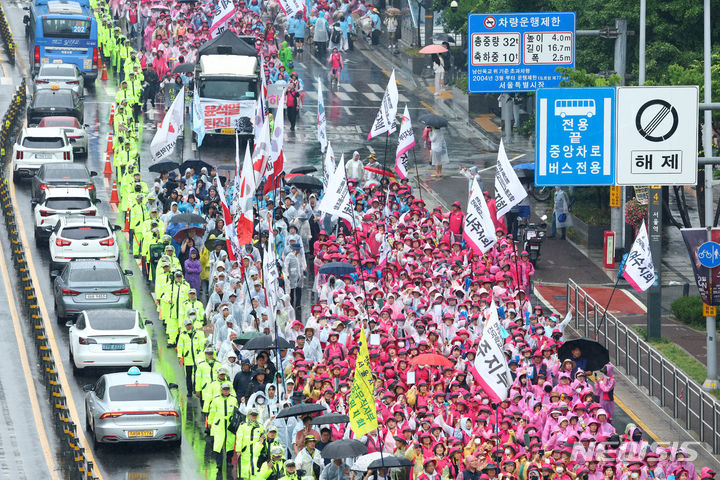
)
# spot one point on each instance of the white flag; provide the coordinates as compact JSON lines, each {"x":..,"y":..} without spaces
{"x":321,"y":119}
{"x":328,"y":166}
{"x":336,"y":200}
{"x":385,"y":119}
{"x":508,"y":189}
{"x":491,"y":370}
{"x":224,"y":10}
{"x":406,"y":141}
{"x":639,"y":268}
{"x":278,"y":137}
{"x":492,"y":328}
{"x":198,"y":118}
{"x":292,"y":7}
{"x":163,"y":142}
{"x":478,"y":228}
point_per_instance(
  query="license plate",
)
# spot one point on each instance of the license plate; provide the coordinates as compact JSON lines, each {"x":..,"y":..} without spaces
{"x":44,"y":156}
{"x":534,"y":247}
{"x":113,"y":346}
{"x":95,"y":296}
{"x":227,"y":131}
{"x":140,"y":433}
{"x":58,"y":60}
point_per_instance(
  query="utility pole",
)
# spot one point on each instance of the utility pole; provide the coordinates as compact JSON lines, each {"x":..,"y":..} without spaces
{"x":641,"y":69}
{"x":429,"y":21}
{"x":711,"y":382}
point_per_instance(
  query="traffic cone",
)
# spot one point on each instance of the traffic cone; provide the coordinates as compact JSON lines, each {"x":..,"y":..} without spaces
{"x":127,"y":221}
{"x":112,"y":114}
{"x":108,"y":166}
{"x":103,"y":75}
{"x":114,"y":195}
{"x":109,"y":146}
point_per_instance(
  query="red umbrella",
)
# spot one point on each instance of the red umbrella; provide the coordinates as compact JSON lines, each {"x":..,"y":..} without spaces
{"x":431,"y":359}
{"x":379,"y":171}
{"x":433,"y":49}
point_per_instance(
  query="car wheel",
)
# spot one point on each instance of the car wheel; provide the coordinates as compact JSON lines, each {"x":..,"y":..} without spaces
{"x":60,"y":317}
{"x":87,"y":422}
{"x":38,"y":240}
{"x":75,"y":370}
{"x":148,"y":368}
{"x":176,"y":444}
{"x":16,"y":177}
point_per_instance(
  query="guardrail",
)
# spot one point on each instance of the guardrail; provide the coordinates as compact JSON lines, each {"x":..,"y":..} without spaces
{"x":7,"y":37}
{"x":72,"y":454}
{"x":682,"y":396}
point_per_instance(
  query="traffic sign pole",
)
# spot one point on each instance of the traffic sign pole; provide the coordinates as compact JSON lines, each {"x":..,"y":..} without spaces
{"x":654,"y":304}
{"x":711,"y":382}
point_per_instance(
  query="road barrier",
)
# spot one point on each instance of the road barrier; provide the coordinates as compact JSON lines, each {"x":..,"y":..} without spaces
{"x":72,"y":455}
{"x":678,"y":394}
{"x":7,"y":37}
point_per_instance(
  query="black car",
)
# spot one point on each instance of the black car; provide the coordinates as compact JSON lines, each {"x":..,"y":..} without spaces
{"x":53,"y":103}
{"x":66,"y":175}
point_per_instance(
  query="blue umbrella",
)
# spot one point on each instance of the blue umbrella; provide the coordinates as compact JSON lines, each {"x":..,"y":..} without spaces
{"x":337,"y":268}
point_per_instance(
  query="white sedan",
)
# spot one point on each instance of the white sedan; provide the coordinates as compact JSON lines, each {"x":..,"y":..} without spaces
{"x":57,"y":202}
{"x":78,"y":236}
{"x":109,"y":338}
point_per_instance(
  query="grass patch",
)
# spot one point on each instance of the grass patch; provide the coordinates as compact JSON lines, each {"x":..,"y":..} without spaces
{"x":591,"y":205}
{"x":462,"y":83}
{"x":413,"y":52}
{"x":678,"y":357}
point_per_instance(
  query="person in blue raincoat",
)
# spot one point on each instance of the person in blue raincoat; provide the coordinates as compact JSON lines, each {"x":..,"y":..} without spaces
{"x":561,"y":213}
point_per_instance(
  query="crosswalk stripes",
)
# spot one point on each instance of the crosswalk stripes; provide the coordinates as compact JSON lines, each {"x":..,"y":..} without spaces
{"x":342,"y":96}
{"x":348,"y":88}
{"x":348,"y":93}
{"x":376,"y":88}
{"x":371,"y":96}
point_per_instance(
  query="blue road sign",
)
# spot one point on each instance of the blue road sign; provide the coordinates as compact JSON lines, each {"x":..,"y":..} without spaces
{"x":708,"y":254}
{"x":519,"y":52}
{"x":575,"y":136}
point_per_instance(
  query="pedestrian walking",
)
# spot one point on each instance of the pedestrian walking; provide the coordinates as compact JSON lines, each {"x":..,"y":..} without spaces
{"x":336,"y":65}
{"x":291,"y":105}
{"x":391,"y":24}
{"x":561,"y":213}
{"x":321,"y":35}
{"x":439,"y":70}
{"x":220,"y":413}
{"x":376,"y":26}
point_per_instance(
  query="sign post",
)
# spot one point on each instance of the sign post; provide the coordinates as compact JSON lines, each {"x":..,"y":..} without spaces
{"x":575,"y":132}
{"x":654,"y":307}
{"x":519,"y":52}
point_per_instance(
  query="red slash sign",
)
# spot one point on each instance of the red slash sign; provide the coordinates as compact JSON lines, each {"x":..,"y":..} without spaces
{"x":490,"y":22}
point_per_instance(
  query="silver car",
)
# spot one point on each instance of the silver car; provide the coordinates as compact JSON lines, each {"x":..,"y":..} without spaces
{"x":91,"y":285}
{"x":60,"y":75}
{"x":132,"y":406}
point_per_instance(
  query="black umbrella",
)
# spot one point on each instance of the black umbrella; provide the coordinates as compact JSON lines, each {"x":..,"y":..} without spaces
{"x":595,"y":354}
{"x":333,"y":418}
{"x":297,"y":410}
{"x":267,"y":342}
{"x":184,"y":67}
{"x":337,"y":268}
{"x":306,"y":182}
{"x":243,"y":338}
{"x":305,"y":169}
{"x":346,"y":448}
{"x":187,"y":218}
{"x":212,"y":240}
{"x":183,"y":233}
{"x":194,"y":163}
{"x":164,"y":166}
{"x":390,"y":461}
{"x":435,"y":121}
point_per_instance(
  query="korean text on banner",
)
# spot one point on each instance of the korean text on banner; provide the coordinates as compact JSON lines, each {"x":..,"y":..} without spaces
{"x":639,"y":269}
{"x":292,"y":7}
{"x":163,"y":143}
{"x":322,"y":121}
{"x":508,"y":189}
{"x":226,"y":114}
{"x":385,"y":119}
{"x":362,"y":409}
{"x":336,"y":200}
{"x":479,"y":230}
{"x":406,"y":141}
{"x":224,"y":10}
{"x":490,"y":369}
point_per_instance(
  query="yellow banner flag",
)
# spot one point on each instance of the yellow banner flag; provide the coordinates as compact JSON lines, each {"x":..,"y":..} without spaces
{"x":363,"y":413}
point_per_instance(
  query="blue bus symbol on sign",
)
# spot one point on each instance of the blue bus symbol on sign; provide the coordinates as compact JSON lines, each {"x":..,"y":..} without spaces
{"x":708,"y":254}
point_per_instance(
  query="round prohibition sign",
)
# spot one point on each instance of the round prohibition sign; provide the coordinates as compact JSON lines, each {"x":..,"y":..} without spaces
{"x":647,"y":127}
{"x":489,"y":22}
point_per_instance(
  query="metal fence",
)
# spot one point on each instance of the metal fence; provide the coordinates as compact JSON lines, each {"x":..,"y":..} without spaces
{"x":672,"y":389}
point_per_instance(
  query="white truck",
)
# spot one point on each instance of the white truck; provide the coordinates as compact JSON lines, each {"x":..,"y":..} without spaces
{"x":228,"y":88}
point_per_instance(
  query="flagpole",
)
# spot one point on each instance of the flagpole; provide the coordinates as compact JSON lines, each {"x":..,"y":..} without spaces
{"x":612,"y":293}
{"x":497,"y":434}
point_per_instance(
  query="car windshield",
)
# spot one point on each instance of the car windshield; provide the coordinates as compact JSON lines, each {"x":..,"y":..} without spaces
{"x":70,"y":122}
{"x":137,"y":392}
{"x":67,"y":203}
{"x":53,"y":98}
{"x":228,"y":89}
{"x":85,"y":233}
{"x":57,"y":72}
{"x":99,"y":275}
{"x":43,"y":142}
{"x":66,"y":175}
{"x":112,"y":321}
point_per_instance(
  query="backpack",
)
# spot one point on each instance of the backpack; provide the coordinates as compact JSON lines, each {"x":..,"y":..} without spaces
{"x":336,"y":35}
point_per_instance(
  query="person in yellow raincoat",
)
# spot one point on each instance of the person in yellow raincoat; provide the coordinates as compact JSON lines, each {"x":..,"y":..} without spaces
{"x":220,"y":413}
{"x":189,"y":351}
